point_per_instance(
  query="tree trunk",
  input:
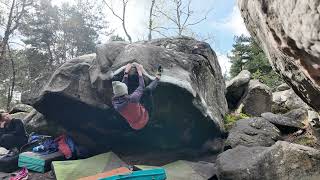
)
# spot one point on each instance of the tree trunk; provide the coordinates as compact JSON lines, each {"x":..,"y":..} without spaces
{"x":7,"y":32}
{"x":178,"y":11}
{"x":123,"y":21}
{"x":50,"y":55}
{"x":150,"y":20}
{"x":13,"y":81}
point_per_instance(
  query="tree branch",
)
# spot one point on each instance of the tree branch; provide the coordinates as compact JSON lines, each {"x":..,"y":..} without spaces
{"x":188,"y":14}
{"x":168,"y":17}
{"x":111,"y":9}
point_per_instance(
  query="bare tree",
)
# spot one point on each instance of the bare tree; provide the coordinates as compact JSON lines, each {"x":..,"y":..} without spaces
{"x":154,"y":20}
{"x":12,"y":16}
{"x":151,"y":19}
{"x":15,"y":14}
{"x":121,"y":17}
{"x":181,"y":15}
{"x":12,"y":79}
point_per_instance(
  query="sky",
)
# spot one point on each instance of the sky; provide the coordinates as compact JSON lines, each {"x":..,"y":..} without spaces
{"x":223,"y":23}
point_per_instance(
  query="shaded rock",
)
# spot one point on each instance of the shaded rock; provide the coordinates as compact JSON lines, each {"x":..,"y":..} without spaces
{"x":188,"y":107}
{"x":213,"y":146}
{"x":284,"y":101}
{"x":19,"y":115}
{"x":288,"y":32}
{"x":36,"y":122}
{"x":283,"y":87}
{"x":21,"y":108}
{"x":283,"y":160}
{"x":257,"y":100}
{"x":252,"y":132}
{"x":298,"y":119}
{"x":2,"y":110}
{"x":236,"y":88}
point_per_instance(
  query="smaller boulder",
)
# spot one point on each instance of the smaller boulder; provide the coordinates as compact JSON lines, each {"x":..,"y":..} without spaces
{"x":21,"y":108}
{"x":313,"y":118}
{"x":296,"y":119}
{"x":283,"y":160}
{"x":19,"y":115}
{"x":252,"y":132}
{"x":36,"y":122}
{"x":284,"y":101}
{"x":257,"y":100}
{"x":236,"y":88}
{"x":283,"y":87}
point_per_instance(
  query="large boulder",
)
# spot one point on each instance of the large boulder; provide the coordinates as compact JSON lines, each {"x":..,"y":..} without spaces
{"x":236,"y":88}
{"x":288,"y":32}
{"x":257,"y":99}
{"x":189,"y":103}
{"x":252,"y":132}
{"x":283,"y":160}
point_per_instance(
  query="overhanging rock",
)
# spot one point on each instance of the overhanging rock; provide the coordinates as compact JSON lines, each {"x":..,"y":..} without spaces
{"x":188,"y":107}
{"x":288,"y":31}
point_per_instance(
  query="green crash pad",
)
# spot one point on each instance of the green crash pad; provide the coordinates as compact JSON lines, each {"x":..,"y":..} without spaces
{"x":38,"y":162}
{"x":75,"y":169}
{"x":185,"y":170}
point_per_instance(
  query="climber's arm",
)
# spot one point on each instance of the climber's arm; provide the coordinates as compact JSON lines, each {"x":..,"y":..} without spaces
{"x":126,"y":71}
{"x":136,"y":95}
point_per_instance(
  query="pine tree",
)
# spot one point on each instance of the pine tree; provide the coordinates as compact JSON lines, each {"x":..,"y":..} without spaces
{"x":247,"y":55}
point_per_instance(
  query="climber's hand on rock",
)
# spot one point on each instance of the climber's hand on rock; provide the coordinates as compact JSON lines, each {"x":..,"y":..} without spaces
{"x":128,"y":67}
{"x":139,"y":69}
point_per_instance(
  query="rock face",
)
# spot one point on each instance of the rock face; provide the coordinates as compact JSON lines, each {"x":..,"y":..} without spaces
{"x":252,"y":132}
{"x":257,"y":100}
{"x":288,"y":31}
{"x":236,"y":88}
{"x":188,"y":107}
{"x":283,"y":160}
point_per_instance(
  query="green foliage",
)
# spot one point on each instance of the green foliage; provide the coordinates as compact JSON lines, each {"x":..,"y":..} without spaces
{"x":271,"y":79}
{"x":247,"y":55}
{"x":306,"y":141}
{"x":231,"y":118}
{"x":52,"y":35}
{"x":20,"y":79}
{"x":116,"y":38}
{"x":61,"y":33}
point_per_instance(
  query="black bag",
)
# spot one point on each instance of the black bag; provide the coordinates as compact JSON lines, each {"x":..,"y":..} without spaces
{"x":9,"y":162}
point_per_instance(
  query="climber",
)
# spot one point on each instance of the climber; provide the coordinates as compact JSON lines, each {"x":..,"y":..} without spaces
{"x":12,"y":132}
{"x":129,"y":105}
